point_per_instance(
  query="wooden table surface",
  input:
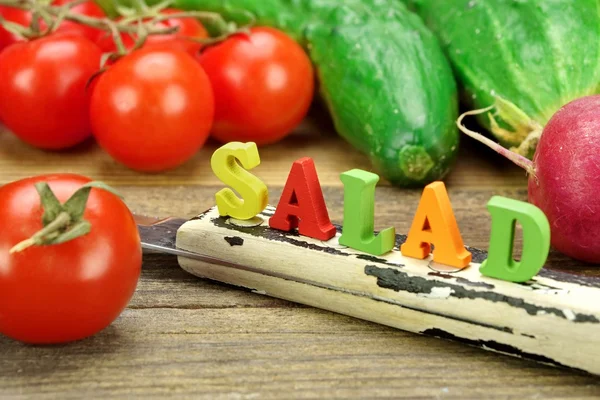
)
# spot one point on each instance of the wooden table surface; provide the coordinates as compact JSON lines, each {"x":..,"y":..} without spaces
{"x":187,"y":337}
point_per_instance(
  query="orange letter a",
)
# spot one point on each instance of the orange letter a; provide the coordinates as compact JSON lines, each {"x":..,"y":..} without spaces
{"x":434,"y":223}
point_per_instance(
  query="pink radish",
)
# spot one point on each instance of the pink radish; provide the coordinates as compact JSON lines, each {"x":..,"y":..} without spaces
{"x":564,"y":176}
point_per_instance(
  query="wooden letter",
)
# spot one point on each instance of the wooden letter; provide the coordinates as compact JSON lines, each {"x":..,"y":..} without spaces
{"x":434,"y":223}
{"x":536,"y":240}
{"x":359,"y":210}
{"x":224,"y":163}
{"x":302,"y":204}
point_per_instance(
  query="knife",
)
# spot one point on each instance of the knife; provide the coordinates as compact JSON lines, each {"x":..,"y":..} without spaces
{"x":553,"y":319}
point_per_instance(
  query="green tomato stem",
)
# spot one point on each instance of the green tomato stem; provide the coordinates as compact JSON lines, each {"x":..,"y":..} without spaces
{"x":41,"y":237}
{"x":62,"y":222}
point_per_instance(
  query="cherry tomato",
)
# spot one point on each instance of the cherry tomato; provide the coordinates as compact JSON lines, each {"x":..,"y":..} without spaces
{"x":43,"y":99}
{"x":153,"y":109}
{"x":21,"y":17}
{"x":88,"y":8}
{"x":188,"y":27}
{"x":58,"y":293}
{"x":263,"y":84}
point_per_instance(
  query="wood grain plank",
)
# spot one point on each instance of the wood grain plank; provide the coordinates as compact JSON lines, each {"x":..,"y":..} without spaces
{"x":291,"y":353}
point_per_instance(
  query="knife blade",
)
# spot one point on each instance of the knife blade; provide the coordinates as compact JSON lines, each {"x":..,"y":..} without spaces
{"x":158,"y":234}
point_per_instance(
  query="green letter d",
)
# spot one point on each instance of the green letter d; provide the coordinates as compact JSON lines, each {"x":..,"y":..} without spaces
{"x":536,"y":240}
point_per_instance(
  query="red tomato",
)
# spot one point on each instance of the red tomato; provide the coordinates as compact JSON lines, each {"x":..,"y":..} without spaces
{"x":263,"y":84}
{"x":42,"y":90}
{"x":153,"y":109}
{"x":188,"y":27}
{"x":63,"y":292}
{"x":88,"y":8}
{"x":16,"y":15}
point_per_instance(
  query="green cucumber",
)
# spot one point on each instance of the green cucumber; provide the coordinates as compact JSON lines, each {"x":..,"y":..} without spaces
{"x":525,"y":58}
{"x":382,"y":74}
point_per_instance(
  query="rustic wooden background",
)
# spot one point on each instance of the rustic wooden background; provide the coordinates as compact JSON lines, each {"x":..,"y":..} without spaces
{"x":190,"y":338}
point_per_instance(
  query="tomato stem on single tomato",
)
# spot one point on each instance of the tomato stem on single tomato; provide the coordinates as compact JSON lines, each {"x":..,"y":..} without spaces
{"x":40,"y":237}
{"x":61,"y":222}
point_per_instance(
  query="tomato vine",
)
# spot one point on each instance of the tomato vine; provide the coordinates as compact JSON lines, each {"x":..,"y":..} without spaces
{"x":141,"y":20}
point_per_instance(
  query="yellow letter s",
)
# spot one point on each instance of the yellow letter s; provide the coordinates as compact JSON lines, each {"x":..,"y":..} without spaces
{"x":254,"y":192}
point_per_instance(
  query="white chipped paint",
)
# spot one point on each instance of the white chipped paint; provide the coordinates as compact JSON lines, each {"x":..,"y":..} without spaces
{"x":249,"y":223}
{"x":438,"y":293}
{"x":569,"y":314}
{"x":447,"y":269}
{"x":334,"y":242}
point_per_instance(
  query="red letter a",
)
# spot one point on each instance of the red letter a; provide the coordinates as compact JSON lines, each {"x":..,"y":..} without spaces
{"x":302,"y":204}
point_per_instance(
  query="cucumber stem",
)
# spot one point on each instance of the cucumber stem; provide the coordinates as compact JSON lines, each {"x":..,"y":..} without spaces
{"x":518,"y":159}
